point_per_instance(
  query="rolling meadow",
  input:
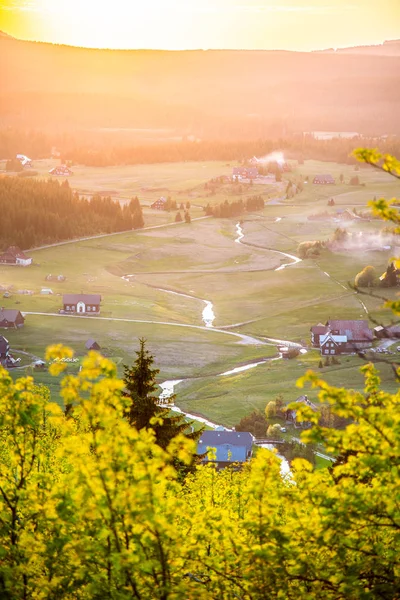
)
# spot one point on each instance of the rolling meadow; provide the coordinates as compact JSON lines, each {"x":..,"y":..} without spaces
{"x":156,"y":282}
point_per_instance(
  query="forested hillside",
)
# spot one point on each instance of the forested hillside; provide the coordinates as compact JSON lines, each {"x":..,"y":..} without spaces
{"x":224,"y":94}
{"x":41,"y":212}
{"x":93,"y":149}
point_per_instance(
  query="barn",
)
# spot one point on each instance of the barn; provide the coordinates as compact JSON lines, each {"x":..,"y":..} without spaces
{"x":11,"y":318}
{"x":324,"y":180}
{"x":61,"y":171}
{"x":82,"y":304}
{"x":159,"y":204}
{"x":14,"y":256}
{"x":91,"y":344}
{"x":244,"y":172}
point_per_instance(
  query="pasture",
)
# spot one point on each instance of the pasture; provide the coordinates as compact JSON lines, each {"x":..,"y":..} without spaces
{"x":201,"y":261}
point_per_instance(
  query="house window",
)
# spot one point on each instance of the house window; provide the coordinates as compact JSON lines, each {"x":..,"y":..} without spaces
{"x":326,"y":351}
{"x":333,"y":351}
{"x":67,"y":307}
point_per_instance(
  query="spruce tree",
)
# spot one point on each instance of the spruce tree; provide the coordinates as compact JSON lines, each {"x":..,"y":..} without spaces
{"x":140,"y":382}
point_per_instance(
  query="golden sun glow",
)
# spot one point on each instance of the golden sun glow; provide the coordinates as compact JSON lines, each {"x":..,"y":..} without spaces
{"x":181,"y":24}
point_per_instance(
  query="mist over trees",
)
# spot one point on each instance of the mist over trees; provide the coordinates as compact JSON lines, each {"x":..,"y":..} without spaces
{"x":92,"y":149}
{"x":41,"y":212}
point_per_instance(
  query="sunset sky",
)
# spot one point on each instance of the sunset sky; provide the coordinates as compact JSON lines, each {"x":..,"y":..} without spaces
{"x":186,"y":24}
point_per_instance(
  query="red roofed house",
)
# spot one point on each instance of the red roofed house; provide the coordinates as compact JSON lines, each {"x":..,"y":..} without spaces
{"x":61,"y":171}
{"x":340,"y":337}
{"x":244,"y":172}
{"x":4,"y":350}
{"x":159,"y":204}
{"x":82,"y":303}
{"x":324,"y":179}
{"x":14,"y":256}
{"x":291,"y":413}
{"x":10,"y":317}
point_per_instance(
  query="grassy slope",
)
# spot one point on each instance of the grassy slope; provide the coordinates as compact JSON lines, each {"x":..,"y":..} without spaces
{"x":279,"y":304}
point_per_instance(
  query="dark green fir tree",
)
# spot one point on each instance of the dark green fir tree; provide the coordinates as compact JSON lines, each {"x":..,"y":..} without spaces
{"x":145,"y":410}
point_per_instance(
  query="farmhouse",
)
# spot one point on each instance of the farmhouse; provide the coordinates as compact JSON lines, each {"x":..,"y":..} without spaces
{"x":324,"y":179}
{"x":82,"y":303}
{"x":14,"y":256}
{"x":244,"y":172}
{"x":339,"y":337}
{"x":290,"y":413}
{"x":92,"y":345}
{"x":10,"y":317}
{"x":388,"y":331}
{"x":159,"y":204}
{"x":24,"y":160}
{"x":229,"y":446}
{"x":61,"y":171}
{"x":4,"y":349}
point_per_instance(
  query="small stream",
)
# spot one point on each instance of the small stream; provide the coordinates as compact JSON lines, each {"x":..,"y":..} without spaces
{"x":207,"y":314}
{"x":168,"y":389}
{"x":294,"y":259}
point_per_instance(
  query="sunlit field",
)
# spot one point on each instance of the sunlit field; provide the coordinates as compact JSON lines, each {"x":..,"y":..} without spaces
{"x":202,"y":262}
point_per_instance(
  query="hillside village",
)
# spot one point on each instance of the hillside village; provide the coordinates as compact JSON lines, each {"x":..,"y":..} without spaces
{"x":332,"y":337}
{"x":199,"y":300}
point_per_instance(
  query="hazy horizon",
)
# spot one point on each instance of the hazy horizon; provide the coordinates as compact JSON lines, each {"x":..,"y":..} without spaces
{"x":282,"y":25}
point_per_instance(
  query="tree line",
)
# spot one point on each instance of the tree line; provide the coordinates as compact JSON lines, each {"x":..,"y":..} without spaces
{"x":236,"y":208}
{"x":42,"y":212}
{"x":88,"y":149}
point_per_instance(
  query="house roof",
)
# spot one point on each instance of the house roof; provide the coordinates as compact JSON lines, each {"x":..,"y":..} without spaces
{"x":233,"y":438}
{"x":86,"y":298}
{"x":326,"y":176}
{"x":15,"y":252}
{"x":304,"y":400}
{"x":9,"y":314}
{"x":319,"y":329}
{"x":355,"y":330}
{"x":331,"y":338}
{"x":4,"y":345}
{"x":61,"y":169}
{"x":91,"y":342}
{"x":393,"y":328}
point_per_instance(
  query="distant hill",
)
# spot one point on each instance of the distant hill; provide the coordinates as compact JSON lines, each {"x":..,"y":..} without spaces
{"x":388,"y":48}
{"x":217,"y":93}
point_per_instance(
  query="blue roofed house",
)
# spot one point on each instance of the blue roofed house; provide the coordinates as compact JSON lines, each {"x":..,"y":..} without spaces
{"x":230,"y":446}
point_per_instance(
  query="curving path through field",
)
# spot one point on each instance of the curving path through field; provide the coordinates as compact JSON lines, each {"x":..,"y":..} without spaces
{"x":244,"y":339}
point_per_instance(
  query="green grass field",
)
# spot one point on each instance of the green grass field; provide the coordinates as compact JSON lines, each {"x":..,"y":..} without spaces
{"x":203,"y":261}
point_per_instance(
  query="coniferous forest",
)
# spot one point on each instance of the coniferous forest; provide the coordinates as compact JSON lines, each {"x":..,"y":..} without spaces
{"x":34,"y":213}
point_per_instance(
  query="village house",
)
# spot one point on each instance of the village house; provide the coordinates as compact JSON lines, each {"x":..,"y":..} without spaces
{"x":228,"y":446}
{"x":159,"y":204}
{"x":92,"y":345}
{"x":82,"y":303}
{"x":387,"y":331}
{"x":14,"y":256}
{"x":6,"y":358}
{"x":24,"y":160}
{"x":11,"y":318}
{"x":324,"y":180}
{"x":4,"y":349}
{"x":290,"y":413}
{"x":341,"y":337}
{"x":244,"y":173}
{"x":61,"y":171}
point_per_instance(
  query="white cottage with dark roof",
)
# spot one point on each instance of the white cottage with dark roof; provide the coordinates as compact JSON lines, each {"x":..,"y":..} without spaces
{"x":82,"y":304}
